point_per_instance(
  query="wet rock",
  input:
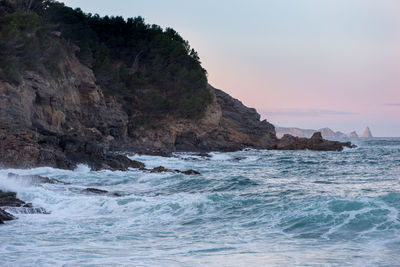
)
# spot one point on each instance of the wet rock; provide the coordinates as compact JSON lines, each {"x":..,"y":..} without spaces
{"x":5,"y":216}
{"x":102,"y":192}
{"x":160,"y":169}
{"x":96,"y":191}
{"x":188,"y":172}
{"x":316,"y":142}
{"x":110,"y":161}
{"x":203,"y":155}
{"x":155,"y":152}
{"x":9,"y":199}
{"x":10,"y":203}
{"x":121,"y":162}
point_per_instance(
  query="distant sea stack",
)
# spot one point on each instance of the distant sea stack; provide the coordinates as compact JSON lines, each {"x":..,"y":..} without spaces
{"x":329,"y":133}
{"x":367,"y":133}
{"x":353,"y":134}
{"x":307,"y":133}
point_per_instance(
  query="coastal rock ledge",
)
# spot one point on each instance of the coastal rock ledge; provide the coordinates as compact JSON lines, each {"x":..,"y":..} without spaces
{"x":316,"y":142}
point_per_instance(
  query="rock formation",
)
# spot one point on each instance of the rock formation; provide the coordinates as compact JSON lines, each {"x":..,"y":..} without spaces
{"x":326,"y":132}
{"x":60,"y":121}
{"x":353,"y":134}
{"x":316,"y":142}
{"x":281,"y":131}
{"x":367,"y":133}
{"x":63,"y":119}
{"x":329,"y":133}
{"x":9,"y":201}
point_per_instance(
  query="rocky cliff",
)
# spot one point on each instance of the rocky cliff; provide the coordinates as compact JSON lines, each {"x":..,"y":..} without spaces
{"x":60,"y":121}
{"x":57,"y":113}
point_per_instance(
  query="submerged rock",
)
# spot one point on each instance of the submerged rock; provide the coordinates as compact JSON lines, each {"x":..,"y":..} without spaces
{"x":96,"y":191}
{"x":189,"y":172}
{"x":5,"y":216}
{"x":160,"y":169}
{"x":10,"y":202}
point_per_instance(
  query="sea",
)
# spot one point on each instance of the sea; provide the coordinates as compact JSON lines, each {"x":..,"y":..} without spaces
{"x":246,"y":208}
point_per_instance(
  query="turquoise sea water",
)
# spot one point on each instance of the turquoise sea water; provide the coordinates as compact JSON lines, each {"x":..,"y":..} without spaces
{"x":248,"y":208}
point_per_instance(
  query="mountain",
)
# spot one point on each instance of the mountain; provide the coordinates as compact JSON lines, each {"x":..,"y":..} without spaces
{"x":76,"y":87}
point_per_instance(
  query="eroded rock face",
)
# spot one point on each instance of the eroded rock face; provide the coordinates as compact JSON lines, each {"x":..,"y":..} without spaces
{"x":53,"y":121}
{"x":63,"y":121}
{"x":238,"y":127}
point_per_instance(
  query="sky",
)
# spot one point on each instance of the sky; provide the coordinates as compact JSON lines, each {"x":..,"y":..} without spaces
{"x":300,"y":63}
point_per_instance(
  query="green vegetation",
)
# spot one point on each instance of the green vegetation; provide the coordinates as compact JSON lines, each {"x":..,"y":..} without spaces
{"x":149,"y":69}
{"x":25,"y":45}
{"x":146,"y":67}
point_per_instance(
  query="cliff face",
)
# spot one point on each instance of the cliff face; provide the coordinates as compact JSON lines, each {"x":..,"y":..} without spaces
{"x":235,"y":127}
{"x":42,"y":118}
{"x":53,"y":111}
{"x":59,"y":121}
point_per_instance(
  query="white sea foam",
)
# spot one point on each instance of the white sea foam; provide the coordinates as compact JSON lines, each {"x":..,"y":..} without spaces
{"x":220,"y":156}
{"x":259,"y":208}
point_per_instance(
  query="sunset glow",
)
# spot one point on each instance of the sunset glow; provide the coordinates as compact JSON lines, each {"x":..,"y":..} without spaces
{"x":308,"y":64}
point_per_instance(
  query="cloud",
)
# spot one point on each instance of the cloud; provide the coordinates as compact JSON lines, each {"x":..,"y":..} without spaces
{"x":393,"y":104}
{"x":304,"y":112}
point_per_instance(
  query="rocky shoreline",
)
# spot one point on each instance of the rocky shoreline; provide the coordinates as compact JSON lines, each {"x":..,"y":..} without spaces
{"x":90,"y":127}
{"x":10,"y":203}
{"x":68,"y":117}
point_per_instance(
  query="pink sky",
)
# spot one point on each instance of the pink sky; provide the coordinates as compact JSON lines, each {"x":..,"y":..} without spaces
{"x":308,"y":64}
